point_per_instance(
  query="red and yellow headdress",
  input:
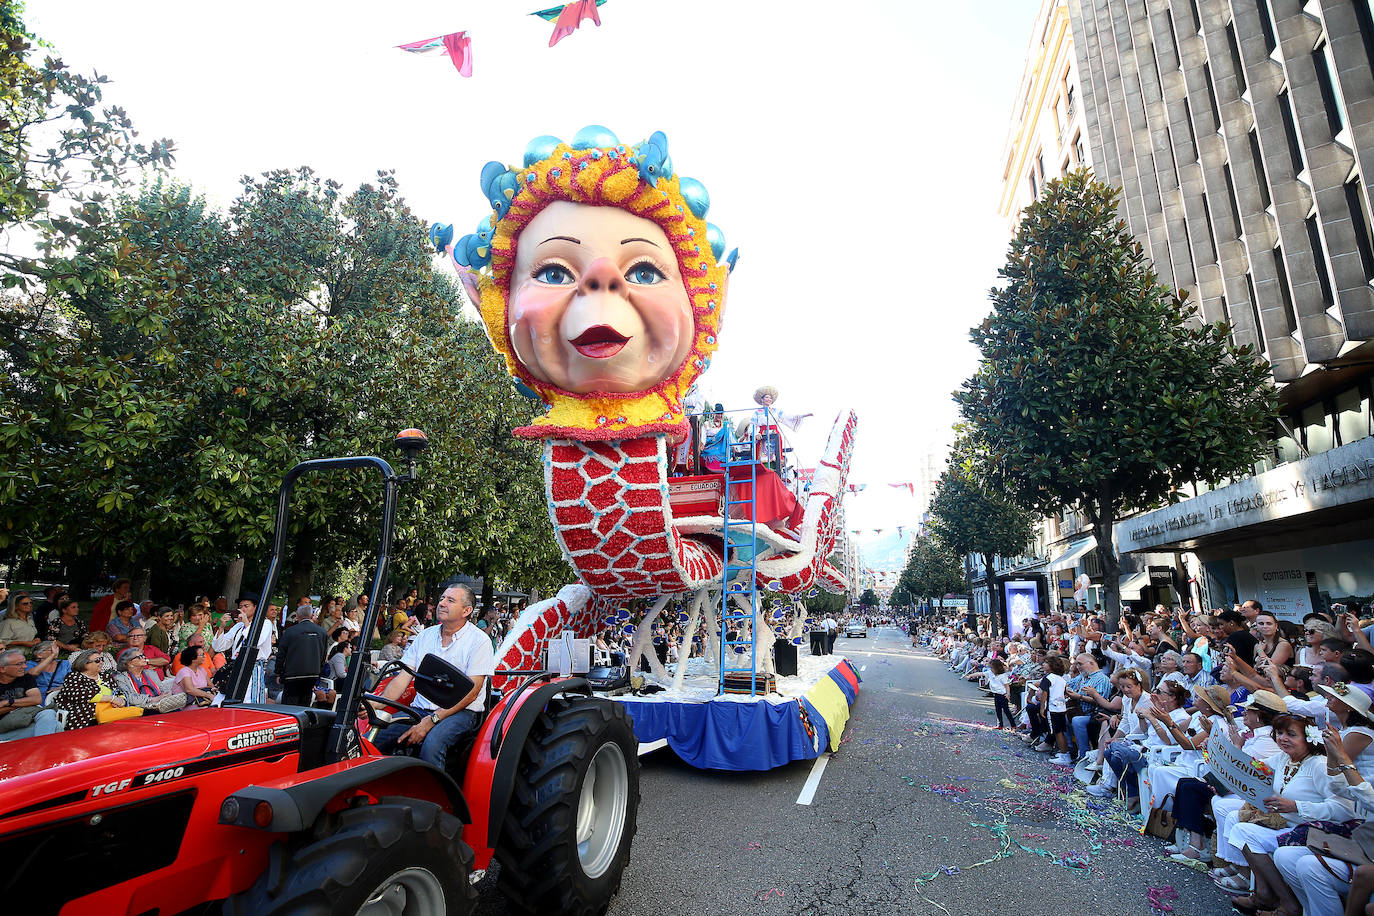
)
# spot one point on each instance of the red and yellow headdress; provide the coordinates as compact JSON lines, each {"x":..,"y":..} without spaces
{"x":597,"y":170}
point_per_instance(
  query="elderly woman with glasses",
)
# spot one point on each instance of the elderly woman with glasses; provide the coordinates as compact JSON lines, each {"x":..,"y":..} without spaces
{"x":140,"y":685}
{"x":17,"y":630}
{"x":87,"y":686}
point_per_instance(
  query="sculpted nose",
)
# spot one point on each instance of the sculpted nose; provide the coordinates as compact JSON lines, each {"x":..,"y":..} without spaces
{"x":602,"y":276}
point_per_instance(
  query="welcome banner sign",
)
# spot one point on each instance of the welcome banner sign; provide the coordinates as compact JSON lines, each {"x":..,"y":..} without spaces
{"x":1252,"y":780}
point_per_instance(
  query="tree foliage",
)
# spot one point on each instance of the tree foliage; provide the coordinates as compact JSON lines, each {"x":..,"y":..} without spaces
{"x":1098,"y":388}
{"x":165,"y":364}
{"x":969,"y":515}
{"x":932,"y":571}
{"x":869,"y":599}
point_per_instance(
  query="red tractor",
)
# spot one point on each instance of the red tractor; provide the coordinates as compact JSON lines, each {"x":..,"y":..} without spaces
{"x":272,"y":809}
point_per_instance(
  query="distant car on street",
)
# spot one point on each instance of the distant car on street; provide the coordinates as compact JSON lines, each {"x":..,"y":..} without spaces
{"x":856,"y":628}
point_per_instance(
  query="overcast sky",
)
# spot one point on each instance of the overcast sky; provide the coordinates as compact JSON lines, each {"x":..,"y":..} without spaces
{"x":851,"y":151}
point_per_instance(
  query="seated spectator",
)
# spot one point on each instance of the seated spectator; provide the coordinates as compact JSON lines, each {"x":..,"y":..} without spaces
{"x":1092,"y":691}
{"x":48,"y":668}
{"x":1246,"y":836}
{"x":337,"y":662}
{"x":99,"y":642}
{"x":197,"y":622}
{"x":1211,"y":709}
{"x":17,"y":630}
{"x":121,"y":623}
{"x":140,"y":685}
{"x":162,"y":632}
{"x":20,"y":698}
{"x":88,"y":694}
{"x":68,"y":629}
{"x":157,"y":660}
{"x":1159,"y":718}
{"x":193,"y":678}
{"x":212,"y":662}
{"x":395,"y":647}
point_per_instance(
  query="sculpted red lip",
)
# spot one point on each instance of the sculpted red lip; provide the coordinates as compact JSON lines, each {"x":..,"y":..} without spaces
{"x":599,"y":342}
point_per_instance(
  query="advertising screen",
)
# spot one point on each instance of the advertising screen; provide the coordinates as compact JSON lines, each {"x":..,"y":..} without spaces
{"x":1021,"y":599}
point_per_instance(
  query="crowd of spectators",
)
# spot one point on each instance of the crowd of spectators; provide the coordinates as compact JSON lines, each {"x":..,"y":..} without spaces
{"x":1134,"y":712}
{"x":63,"y":669}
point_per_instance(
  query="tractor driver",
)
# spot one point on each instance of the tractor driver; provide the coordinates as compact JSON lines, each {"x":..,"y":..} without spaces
{"x":467,"y":648}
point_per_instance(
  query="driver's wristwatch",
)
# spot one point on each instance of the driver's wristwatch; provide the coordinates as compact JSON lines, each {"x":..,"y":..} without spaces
{"x":434,"y":717}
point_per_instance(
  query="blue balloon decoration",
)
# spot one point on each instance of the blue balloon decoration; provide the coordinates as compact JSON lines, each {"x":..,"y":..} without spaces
{"x":694,"y":192}
{"x":796,"y":640}
{"x":540,"y":148}
{"x":717,"y":240}
{"x":628,"y":629}
{"x":441,"y":234}
{"x":732,"y":259}
{"x":652,"y":158}
{"x":594,"y":135}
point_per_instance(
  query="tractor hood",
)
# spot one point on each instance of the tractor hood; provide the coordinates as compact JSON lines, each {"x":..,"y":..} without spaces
{"x":123,"y":757}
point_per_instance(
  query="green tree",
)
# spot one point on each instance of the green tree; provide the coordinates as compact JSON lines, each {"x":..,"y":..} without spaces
{"x":1098,"y":388}
{"x":219,"y":350}
{"x":932,"y":570}
{"x":869,"y":599}
{"x":970,"y":516}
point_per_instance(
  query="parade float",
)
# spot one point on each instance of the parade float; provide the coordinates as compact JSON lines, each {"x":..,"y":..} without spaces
{"x":603,"y":287}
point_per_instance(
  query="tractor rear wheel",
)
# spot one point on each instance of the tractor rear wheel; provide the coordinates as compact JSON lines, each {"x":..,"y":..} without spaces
{"x":403,"y":857}
{"x":566,"y":837}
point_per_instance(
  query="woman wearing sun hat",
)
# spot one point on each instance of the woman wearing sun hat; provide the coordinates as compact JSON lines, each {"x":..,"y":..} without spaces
{"x":1211,"y":709}
{"x":1350,"y":704}
{"x":1193,"y":796}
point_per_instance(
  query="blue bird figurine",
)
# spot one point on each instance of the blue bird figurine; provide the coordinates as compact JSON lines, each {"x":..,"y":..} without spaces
{"x":653,"y":158}
{"x":441,"y":234}
{"x":499,"y":184}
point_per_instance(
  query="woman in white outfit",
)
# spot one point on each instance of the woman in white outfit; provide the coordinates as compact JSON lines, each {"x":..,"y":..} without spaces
{"x":1213,"y":710}
{"x":1303,"y":791}
{"x":1316,"y":884}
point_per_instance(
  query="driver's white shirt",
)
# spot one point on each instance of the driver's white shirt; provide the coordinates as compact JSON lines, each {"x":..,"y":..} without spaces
{"x":470,"y":652}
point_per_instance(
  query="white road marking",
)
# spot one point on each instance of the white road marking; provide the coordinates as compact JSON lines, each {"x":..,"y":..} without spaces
{"x":808,"y":791}
{"x":863,"y":668}
{"x":649,"y":746}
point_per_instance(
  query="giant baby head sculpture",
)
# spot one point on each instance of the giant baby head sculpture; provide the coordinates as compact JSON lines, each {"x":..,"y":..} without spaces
{"x":599,"y":281}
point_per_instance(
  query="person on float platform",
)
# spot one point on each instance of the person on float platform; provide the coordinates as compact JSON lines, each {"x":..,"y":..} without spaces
{"x":468,"y":649}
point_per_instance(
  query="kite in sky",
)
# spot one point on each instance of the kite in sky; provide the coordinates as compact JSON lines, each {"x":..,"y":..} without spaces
{"x":568,"y":17}
{"x":457,"y":45}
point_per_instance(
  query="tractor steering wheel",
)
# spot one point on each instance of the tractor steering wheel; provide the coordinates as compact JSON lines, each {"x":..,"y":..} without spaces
{"x":405,"y":714}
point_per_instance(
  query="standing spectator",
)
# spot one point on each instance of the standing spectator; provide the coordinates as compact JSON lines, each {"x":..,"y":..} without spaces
{"x":162,"y":631}
{"x":20,"y":698}
{"x":1235,"y":634}
{"x":17,"y":630}
{"x":1052,"y":700}
{"x":300,"y":657}
{"x":122,"y":622}
{"x":104,"y":608}
{"x":68,"y":629}
{"x":1272,"y":643}
{"x":832,"y":630}
{"x":197,"y":624}
{"x":997,"y":686}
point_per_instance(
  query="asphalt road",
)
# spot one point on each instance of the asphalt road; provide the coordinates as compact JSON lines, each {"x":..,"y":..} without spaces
{"x":897,"y":804}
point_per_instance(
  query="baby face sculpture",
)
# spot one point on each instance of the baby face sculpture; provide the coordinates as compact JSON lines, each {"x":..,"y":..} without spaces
{"x":599,"y":281}
{"x":597,"y":303}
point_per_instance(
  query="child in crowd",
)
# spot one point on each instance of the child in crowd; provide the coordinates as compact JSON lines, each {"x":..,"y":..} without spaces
{"x":997,"y":685}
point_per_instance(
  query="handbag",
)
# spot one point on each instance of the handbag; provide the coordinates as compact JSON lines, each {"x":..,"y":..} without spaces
{"x":1249,"y":814}
{"x":1161,"y":824}
{"x":108,"y":712}
{"x":1354,"y":849}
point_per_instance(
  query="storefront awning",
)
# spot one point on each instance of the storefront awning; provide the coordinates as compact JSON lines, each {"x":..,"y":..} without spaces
{"x":1072,"y":553}
{"x":1132,"y":584}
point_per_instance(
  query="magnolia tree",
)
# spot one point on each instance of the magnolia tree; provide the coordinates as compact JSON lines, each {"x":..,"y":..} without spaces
{"x":970,"y":516}
{"x":1099,"y":389}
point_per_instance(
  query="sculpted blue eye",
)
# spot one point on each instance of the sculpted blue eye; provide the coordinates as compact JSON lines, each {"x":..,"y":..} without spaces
{"x":554,"y":274}
{"x":645,"y":274}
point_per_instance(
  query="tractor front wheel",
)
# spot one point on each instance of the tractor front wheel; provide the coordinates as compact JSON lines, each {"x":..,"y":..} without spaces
{"x":566,"y":837}
{"x":403,"y":857}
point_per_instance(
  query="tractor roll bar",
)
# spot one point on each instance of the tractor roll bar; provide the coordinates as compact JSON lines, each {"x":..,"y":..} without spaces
{"x":348,"y":697}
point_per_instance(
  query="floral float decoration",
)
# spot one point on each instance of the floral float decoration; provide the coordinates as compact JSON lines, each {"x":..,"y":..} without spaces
{"x":603,"y":287}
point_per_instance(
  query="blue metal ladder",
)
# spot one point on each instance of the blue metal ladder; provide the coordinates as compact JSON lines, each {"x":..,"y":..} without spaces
{"x":740,"y":454}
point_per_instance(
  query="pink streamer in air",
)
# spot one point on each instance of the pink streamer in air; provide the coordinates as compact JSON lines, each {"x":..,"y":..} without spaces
{"x":457,"y":45}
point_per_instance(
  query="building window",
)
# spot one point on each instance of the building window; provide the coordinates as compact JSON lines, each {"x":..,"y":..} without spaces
{"x":1317,"y":432}
{"x":1078,"y":156}
{"x":1211,"y":231}
{"x":1235,"y":57}
{"x":1352,"y":415}
{"x":1040,"y":165}
{"x":1285,"y":291}
{"x":1365,"y":20}
{"x":1290,"y":132}
{"x":1197,"y":17}
{"x":1212,"y":94}
{"x":1035,"y":191}
{"x":1314,"y":238}
{"x":1231,"y":198}
{"x":1255,"y":314}
{"x":1260,"y":175}
{"x":1326,"y":79}
{"x":1069,"y":92}
{"x":1285,"y":446}
{"x":1267,"y":25}
{"x":1188,"y":120}
{"x":1359,"y":218}
{"x":1064,"y":169}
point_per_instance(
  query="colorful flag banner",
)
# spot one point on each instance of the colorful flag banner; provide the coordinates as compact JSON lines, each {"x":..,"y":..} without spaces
{"x":457,"y":45}
{"x":568,"y":17}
